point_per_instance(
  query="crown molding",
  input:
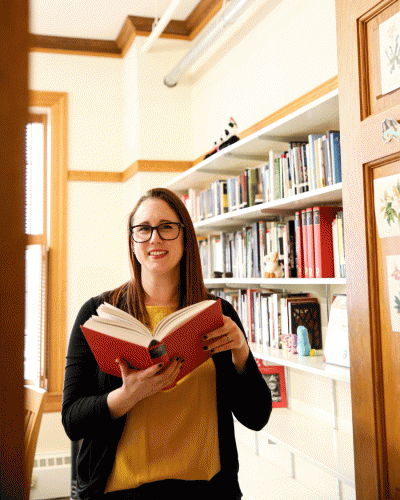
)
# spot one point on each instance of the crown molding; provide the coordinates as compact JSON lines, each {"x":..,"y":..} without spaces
{"x":133,"y":26}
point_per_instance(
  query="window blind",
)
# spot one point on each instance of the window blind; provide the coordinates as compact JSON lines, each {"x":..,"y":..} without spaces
{"x":36,"y":254}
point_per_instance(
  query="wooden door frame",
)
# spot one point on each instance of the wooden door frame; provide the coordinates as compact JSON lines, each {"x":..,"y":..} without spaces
{"x":13,"y":117}
{"x":370,"y":454}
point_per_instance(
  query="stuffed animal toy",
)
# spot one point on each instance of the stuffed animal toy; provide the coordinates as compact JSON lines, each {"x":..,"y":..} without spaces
{"x":229,"y":136}
{"x":273,"y":267}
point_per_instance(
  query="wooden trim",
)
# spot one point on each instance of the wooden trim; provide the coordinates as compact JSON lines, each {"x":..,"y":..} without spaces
{"x":45,"y":43}
{"x":126,"y":36}
{"x":94,"y":176}
{"x":163,"y":166}
{"x":35,"y":239}
{"x":137,"y":166}
{"x":143,"y":25}
{"x":53,"y":402}
{"x":132,"y":27}
{"x":202,"y":15}
{"x":305,"y":99}
{"x":58,"y":104}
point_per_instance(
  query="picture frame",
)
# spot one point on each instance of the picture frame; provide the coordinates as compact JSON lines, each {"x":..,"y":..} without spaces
{"x":275,"y":378}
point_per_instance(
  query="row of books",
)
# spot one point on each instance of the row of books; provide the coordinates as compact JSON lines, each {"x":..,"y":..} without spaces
{"x":320,"y":243}
{"x":309,"y":245}
{"x":269,"y":317}
{"x":303,"y":167}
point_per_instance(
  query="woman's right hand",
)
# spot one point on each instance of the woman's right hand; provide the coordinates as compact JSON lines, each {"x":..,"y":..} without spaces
{"x":139,"y":384}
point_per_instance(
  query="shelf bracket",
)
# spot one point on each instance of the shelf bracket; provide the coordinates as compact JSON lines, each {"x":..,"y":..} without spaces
{"x":256,"y":444}
{"x":292,"y":466}
{"x":334,"y":405}
{"x":339,"y":490}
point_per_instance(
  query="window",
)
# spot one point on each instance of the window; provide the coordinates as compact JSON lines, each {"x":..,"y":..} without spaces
{"x":49,"y":265}
{"x":36,"y":196}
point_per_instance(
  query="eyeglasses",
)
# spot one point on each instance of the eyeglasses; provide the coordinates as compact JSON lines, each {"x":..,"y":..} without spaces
{"x":166,"y":231}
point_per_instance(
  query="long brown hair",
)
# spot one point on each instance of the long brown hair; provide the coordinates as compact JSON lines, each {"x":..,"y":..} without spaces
{"x":131,"y":295}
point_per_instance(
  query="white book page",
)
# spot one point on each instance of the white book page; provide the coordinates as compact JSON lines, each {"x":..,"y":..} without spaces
{"x":178,"y":318}
{"x":118,"y":332}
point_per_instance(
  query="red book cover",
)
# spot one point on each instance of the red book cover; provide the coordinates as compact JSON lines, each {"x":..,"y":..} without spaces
{"x":250,"y":321}
{"x":299,"y":246}
{"x":184,"y":341}
{"x":323,"y":241}
{"x":310,"y":243}
{"x":304,"y":235}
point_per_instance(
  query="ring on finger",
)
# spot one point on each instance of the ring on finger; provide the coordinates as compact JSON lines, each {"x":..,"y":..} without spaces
{"x":228,"y":338}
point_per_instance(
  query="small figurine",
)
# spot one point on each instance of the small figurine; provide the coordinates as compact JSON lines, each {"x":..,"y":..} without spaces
{"x":292,"y":343}
{"x":285,"y":343}
{"x":303,"y":342}
{"x":273,"y":266}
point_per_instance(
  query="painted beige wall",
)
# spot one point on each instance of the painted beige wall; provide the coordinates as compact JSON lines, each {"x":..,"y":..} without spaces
{"x":120,"y":110}
{"x":95,"y":106}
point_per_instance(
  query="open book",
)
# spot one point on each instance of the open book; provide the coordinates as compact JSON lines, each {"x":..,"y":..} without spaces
{"x":116,"y":334}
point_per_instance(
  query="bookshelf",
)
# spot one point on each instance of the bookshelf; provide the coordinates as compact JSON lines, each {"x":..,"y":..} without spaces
{"x":310,"y":364}
{"x":324,"y":444}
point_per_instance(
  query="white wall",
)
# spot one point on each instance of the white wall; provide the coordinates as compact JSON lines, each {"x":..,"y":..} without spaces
{"x":95,"y":106}
{"x":290,"y":52}
{"x":165,"y":118}
{"x":120,"y":111}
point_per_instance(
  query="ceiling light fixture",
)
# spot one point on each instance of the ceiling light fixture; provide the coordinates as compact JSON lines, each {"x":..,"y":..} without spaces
{"x":232,"y":11}
{"x":160,"y":24}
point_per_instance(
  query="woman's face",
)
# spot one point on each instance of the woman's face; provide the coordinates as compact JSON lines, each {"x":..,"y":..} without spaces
{"x":157,"y":256}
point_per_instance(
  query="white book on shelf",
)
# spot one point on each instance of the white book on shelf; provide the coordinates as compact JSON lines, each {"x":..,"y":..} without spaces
{"x":274,"y":176}
{"x":336,"y":349}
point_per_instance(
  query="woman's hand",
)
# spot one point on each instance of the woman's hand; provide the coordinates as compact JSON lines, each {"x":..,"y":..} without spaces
{"x":139,"y":384}
{"x":228,"y":337}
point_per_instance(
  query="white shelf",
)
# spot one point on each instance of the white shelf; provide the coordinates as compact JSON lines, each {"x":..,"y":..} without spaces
{"x":314,"y":440}
{"x":284,"y":206}
{"x":310,"y":364}
{"x":320,"y":115}
{"x":271,"y":282}
{"x":319,"y":443}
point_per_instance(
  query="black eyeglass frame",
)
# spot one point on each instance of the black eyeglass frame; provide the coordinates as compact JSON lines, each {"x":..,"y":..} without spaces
{"x":179,"y":224}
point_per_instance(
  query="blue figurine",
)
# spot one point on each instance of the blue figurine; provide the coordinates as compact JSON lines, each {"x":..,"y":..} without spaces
{"x":303,"y":343}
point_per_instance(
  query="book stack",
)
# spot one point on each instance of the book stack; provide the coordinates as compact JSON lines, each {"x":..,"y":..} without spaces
{"x":302,"y":167}
{"x":309,"y":245}
{"x":270,"y":316}
{"x":320,"y":242}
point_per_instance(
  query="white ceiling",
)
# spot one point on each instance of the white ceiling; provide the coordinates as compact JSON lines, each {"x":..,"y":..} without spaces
{"x":96,"y":19}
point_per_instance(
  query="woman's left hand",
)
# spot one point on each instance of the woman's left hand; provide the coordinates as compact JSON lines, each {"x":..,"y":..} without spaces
{"x":228,"y":337}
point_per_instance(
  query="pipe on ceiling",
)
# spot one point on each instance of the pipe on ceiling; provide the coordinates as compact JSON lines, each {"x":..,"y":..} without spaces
{"x":230,"y":14}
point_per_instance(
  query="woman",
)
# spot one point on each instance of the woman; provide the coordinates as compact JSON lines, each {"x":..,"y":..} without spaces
{"x":138,"y":440}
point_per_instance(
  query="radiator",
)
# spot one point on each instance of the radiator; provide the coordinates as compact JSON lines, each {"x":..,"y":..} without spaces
{"x":51,"y":477}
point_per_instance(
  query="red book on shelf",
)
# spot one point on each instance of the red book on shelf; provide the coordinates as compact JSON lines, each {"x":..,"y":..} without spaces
{"x":250,"y":320}
{"x":299,"y":246}
{"x":304,"y":235}
{"x":323,"y":241}
{"x":116,"y":334}
{"x":310,"y":243}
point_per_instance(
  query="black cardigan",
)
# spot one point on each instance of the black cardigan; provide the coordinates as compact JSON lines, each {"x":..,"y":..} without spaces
{"x":85,"y":414}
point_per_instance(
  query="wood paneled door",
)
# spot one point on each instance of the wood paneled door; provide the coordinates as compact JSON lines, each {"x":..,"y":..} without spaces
{"x":369,"y":101}
{"x":13,"y":116}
